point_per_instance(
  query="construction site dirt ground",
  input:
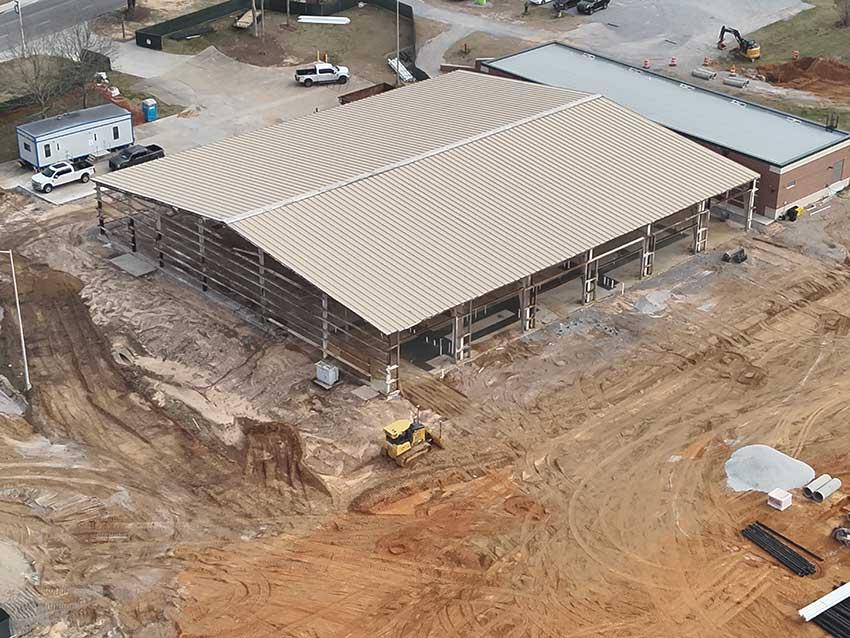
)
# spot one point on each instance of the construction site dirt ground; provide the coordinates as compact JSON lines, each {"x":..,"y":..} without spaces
{"x":178,"y":474}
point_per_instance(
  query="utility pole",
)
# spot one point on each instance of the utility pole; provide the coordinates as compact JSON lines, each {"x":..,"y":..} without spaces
{"x":20,"y":320}
{"x":397,"y":46}
{"x":20,"y":12}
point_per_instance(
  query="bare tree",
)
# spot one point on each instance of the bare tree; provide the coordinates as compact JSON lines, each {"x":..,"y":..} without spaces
{"x":32,"y":73}
{"x":843,"y":8}
{"x":50,"y":67}
{"x":81,"y":53}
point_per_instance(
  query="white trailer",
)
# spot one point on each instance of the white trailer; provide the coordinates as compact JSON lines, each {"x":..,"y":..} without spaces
{"x":95,"y":131}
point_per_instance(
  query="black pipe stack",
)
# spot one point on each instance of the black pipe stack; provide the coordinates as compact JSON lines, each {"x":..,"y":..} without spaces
{"x":835,"y":620}
{"x":779,"y":550}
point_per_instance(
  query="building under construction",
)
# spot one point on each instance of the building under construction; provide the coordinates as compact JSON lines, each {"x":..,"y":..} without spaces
{"x":401,"y":221}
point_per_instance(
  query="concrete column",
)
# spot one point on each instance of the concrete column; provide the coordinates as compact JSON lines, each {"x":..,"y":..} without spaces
{"x":589,"y":277}
{"x":527,"y":304}
{"x":700,"y":240}
{"x":647,"y":252}
{"x":462,"y":331}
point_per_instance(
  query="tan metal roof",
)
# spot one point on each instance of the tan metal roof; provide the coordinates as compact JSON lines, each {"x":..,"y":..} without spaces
{"x":266,"y":167}
{"x":404,"y":244}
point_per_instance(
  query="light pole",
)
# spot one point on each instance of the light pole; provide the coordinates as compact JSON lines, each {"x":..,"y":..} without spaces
{"x":20,"y":320}
{"x":397,"y":45}
{"x":20,"y":12}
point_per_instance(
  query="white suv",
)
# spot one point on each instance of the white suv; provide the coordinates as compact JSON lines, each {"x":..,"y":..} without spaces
{"x":322,"y":73}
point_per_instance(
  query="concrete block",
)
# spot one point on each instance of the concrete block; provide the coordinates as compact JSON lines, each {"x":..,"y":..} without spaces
{"x":779,"y":499}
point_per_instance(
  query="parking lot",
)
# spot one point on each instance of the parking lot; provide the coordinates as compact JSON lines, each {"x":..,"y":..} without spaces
{"x":265,"y":96}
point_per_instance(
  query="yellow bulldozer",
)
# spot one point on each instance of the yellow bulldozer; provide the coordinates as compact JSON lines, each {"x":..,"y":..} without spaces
{"x":408,"y":439}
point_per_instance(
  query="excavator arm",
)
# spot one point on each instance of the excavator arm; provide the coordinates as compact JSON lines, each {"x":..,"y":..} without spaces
{"x":748,"y":49}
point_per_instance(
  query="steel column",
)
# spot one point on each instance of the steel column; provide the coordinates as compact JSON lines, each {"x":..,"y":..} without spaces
{"x":462,"y":331}
{"x":701,"y":228}
{"x":647,"y":252}
{"x":392,"y":385}
{"x":751,"y":205}
{"x":527,"y":304}
{"x":203,"y":254}
{"x":589,"y":277}
{"x":159,"y":240}
{"x":325,"y":330}
{"x":261,"y":277}
{"x":101,"y":225}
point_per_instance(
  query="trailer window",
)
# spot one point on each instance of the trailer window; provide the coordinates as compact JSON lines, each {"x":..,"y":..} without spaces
{"x":115,"y":133}
{"x":27,"y":147}
{"x":47,"y":150}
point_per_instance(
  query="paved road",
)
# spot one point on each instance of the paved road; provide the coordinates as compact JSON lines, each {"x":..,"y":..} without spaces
{"x":43,"y":17}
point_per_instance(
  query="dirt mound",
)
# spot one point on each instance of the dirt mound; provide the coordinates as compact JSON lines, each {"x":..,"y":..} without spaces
{"x":274,"y":456}
{"x":825,"y":76}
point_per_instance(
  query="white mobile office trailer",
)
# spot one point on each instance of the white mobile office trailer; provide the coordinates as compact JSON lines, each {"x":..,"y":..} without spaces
{"x":69,"y":136}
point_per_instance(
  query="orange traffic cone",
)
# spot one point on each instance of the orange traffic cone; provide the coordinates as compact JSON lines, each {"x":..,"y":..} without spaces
{"x":673,"y":62}
{"x":733,"y":70}
{"x":706,"y":61}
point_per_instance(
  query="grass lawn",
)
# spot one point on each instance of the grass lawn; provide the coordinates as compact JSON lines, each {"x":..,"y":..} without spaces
{"x":483,"y":45}
{"x":814,"y":32}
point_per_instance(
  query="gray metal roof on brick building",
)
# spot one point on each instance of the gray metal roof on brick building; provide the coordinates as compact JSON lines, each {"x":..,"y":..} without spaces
{"x":547,"y":178}
{"x":266,"y":167}
{"x":756,"y":131}
{"x":73,"y":119}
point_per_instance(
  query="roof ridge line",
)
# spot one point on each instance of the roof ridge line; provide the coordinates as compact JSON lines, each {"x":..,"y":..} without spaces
{"x":410,"y":160}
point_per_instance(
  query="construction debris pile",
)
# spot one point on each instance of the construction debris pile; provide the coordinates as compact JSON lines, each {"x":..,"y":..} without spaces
{"x":827,"y":77}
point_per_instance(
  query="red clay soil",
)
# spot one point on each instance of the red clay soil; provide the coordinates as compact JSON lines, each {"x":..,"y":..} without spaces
{"x":824,"y":76}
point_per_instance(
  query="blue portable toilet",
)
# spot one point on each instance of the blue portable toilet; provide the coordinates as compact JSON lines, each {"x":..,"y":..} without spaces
{"x":149,"y":109}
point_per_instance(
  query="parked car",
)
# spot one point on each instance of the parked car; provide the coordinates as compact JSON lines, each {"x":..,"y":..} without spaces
{"x":133,"y":155}
{"x":539,"y":2}
{"x":62,"y":173}
{"x":322,"y":73}
{"x":592,"y":6}
{"x":562,"y":5}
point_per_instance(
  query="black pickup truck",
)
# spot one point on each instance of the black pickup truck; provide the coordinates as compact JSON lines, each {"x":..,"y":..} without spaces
{"x":133,"y":155}
{"x":562,"y":5}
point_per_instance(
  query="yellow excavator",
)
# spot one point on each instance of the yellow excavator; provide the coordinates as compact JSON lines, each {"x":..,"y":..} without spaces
{"x":747,"y":49}
{"x":408,"y":439}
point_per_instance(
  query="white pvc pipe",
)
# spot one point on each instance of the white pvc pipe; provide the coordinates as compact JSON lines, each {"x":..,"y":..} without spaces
{"x":826,"y":602}
{"x":809,"y":490}
{"x":824,"y":492}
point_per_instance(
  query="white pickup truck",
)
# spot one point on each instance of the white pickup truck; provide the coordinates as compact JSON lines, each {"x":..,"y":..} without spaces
{"x":62,"y":173}
{"x":322,"y":73}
